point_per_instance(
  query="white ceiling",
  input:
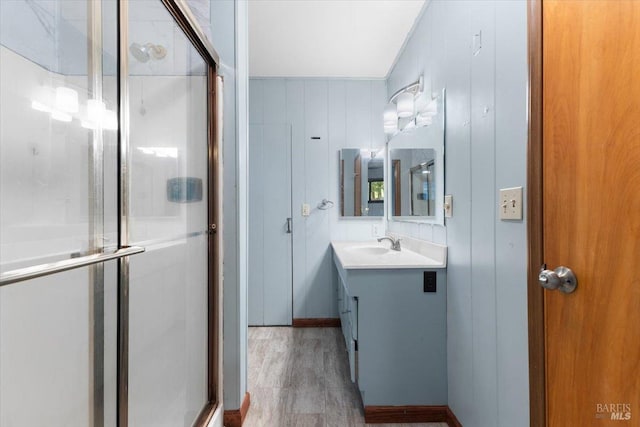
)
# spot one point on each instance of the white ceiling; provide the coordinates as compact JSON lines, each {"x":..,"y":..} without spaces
{"x":327,"y":38}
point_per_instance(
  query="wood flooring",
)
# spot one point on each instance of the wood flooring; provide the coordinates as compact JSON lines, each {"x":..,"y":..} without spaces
{"x":299,"y":377}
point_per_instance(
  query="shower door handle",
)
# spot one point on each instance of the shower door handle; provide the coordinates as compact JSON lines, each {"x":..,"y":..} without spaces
{"x":289,"y":226}
{"x":36,"y":271}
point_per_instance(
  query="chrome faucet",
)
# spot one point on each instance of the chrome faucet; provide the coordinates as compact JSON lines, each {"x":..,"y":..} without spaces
{"x":395,"y":243}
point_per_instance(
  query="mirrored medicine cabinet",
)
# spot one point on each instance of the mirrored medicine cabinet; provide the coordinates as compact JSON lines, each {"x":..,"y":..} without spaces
{"x":362,"y":186}
{"x":415,"y":164}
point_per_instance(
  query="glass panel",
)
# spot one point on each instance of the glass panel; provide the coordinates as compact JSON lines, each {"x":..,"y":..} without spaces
{"x":46,"y":350}
{"x":168,"y":216}
{"x":58,"y":200}
{"x":201,"y":9}
{"x":50,"y":123}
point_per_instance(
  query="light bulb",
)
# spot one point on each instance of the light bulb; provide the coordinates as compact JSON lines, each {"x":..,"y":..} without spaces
{"x":66,"y":100}
{"x":390,"y":114}
{"x":95,"y":110}
{"x":391,"y":128}
{"x":88,"y":124}
{"x":405,"y":102}
{"x":39,"y":106}
{"x":42,"y":99}
{"x":110,"y":120}
{"x":430,"y":109}
{"x":60,"y":116}
{"x":423,"y":120}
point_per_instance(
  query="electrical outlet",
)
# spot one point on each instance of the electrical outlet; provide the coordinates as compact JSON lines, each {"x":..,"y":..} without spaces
{"x":374,"y":230}
{"x":510,"y":203}
{"x":306,"y":209}
{"x":448,"y":206}
{"x":429,"y":284}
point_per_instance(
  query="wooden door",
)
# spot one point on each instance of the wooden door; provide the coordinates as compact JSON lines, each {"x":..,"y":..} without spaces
{"x":591,"y":220}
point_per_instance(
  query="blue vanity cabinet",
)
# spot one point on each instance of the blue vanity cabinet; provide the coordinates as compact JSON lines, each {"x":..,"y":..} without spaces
{"x":395,"y":334}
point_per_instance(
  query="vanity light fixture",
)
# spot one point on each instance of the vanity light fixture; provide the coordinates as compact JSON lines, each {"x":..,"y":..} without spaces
{"x":409,"y":108}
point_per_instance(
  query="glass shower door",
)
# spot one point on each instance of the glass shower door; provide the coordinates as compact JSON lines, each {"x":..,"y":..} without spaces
{"x":168,"y":303}
{"x":58,"y":204}
{"x":90,"y":336}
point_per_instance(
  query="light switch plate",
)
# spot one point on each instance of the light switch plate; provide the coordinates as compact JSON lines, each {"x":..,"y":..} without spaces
{"x":510,"y":203}
{"x":306,"y":209}
{"x":448,"y":206}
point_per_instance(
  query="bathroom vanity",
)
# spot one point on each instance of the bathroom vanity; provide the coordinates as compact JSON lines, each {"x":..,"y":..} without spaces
{"x":393,"y":312}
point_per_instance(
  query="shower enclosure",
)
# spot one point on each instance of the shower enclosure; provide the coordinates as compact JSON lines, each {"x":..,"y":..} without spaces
{"x":108,"y":243}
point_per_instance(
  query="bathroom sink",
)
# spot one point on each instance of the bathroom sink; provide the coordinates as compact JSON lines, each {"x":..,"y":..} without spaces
{"x":369,"y":250}
{"x":375,"y":255}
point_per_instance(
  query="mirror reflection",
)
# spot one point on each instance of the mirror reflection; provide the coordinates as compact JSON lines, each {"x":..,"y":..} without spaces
{"x":413,"y":180}
{"x":362,"y":187}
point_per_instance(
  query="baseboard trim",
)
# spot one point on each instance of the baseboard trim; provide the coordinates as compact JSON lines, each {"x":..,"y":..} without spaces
{"x":452,"y":421}
{"x":235,"y":417}
{"x":316,"y":323}
{"x":410,"y":414}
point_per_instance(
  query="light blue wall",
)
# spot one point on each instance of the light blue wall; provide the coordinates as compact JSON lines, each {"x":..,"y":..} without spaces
{"x":344,"y":114}
{"x":229,"y":37}
{"x":486,"y":136}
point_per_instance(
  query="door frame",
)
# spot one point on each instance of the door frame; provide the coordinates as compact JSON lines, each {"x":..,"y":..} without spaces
{"x":535,"y":293}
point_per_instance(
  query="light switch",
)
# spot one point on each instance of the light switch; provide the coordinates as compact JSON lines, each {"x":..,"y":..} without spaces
{"x":306,"y":209}
{"x":448,"y":206}
{"x":510,"y":203}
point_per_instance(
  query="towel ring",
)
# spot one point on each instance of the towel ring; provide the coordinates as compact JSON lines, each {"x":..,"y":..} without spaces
{"x":325,"y":204}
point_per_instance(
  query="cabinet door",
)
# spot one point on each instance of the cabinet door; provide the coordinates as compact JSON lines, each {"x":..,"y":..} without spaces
{"x":353,"y":317}
{"x":353,"y":360}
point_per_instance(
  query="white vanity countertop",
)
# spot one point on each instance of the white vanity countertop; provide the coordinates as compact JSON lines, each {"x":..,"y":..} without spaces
{"x":374,"y":255}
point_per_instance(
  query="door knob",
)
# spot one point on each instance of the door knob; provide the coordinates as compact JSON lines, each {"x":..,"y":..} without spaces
{"x":561,"y":278}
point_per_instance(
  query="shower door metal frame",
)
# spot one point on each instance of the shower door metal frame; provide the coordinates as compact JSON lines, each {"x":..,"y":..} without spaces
{"x":186,"y":21}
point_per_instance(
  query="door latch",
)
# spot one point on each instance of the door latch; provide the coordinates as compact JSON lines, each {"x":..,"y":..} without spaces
{"x":212,"y":229}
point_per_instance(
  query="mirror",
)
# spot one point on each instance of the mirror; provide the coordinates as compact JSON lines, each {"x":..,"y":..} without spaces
{"x":416,"y":171}
{"x":361,"y":183}
{"x":413,"y":182}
